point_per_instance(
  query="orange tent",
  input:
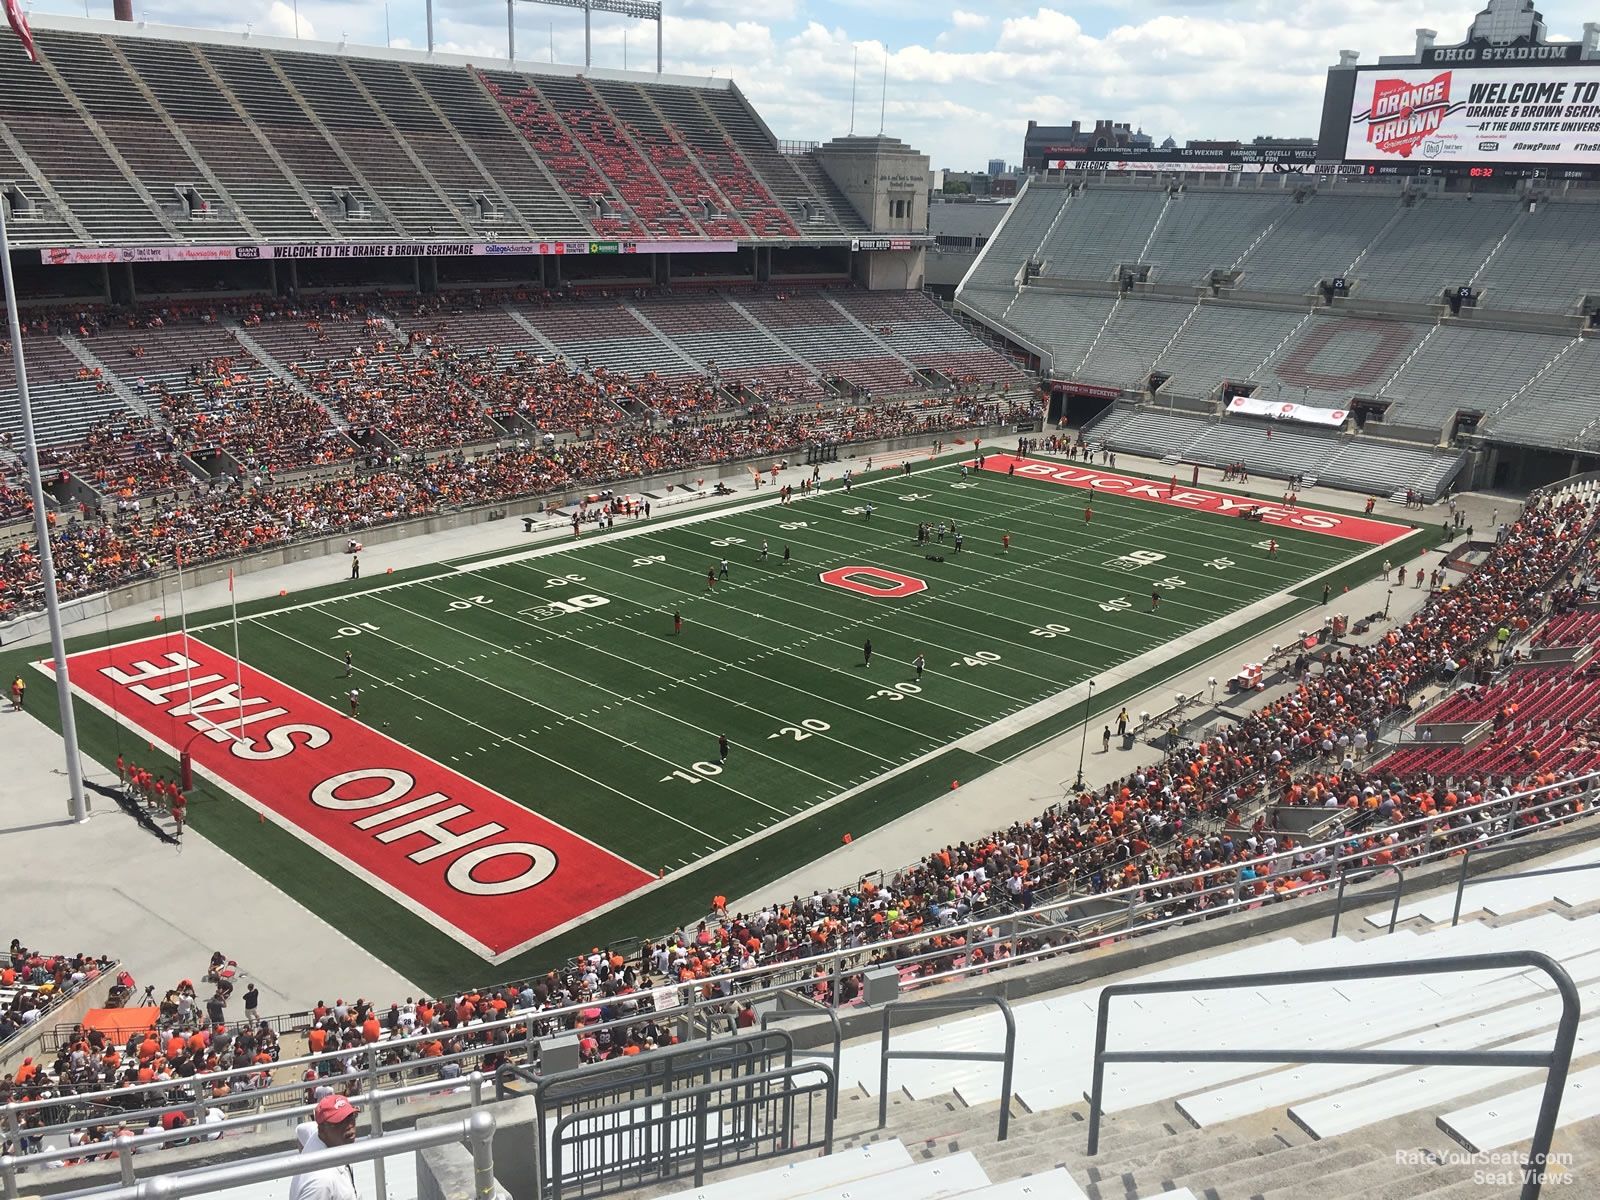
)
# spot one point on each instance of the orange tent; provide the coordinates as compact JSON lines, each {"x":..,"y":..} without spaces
{"x":120,"y":1023}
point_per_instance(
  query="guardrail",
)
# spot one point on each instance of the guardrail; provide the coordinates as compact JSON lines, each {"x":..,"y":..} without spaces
{"x":477,"y":1129}
{"x":1466,"y":858}
{"x":1007,"y":1058}
{"x":1554,"y":1061}
{"x":748,"y":1119}
{"x":1007,"y":944}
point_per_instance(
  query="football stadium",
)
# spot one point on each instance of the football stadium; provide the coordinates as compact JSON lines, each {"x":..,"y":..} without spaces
{"x":560,"y":644}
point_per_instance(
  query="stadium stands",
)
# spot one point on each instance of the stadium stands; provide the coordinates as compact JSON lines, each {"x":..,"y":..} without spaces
{"x":1457,"y":369}
{"x":1559,"y":407}
{"x":1204,"y":231}
{"x":1439,"y":242}
{"x":1017,"y":240}
{"x":69,"y":398}
{"x":156,"y":141}
{"x":1318,"y":240}
{"x":915,"y":328}
{"x":1133,"y":337}
{"x":1333,"y":358}
{"x":1275,"y":450}
{"x":1547,"y":264}
{"x":1062,"y":324}
{"x":33,"y":982}
{"x":1101,"y":229}
{"x":1223,"y":344}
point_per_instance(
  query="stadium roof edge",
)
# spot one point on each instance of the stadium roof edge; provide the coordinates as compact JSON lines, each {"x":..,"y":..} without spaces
{"x":218,"y":37}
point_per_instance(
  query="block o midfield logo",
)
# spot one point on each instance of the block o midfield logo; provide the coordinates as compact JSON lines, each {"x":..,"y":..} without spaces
{"x":877,"y":582}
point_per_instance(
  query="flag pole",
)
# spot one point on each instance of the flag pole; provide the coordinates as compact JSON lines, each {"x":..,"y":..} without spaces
{"x":79,"y":806}
{"x":238,"y":663}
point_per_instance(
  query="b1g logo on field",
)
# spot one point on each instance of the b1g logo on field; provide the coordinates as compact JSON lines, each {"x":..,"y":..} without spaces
{"x":875,"y":582}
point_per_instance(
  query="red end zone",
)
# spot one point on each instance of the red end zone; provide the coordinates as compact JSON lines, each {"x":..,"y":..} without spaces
{"x":467,"y":859}
{"x":1340,"y":525}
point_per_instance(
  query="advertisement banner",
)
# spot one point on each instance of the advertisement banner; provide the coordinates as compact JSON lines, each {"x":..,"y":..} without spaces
{"x":1248,"y":406}
{"x":74,"y":256}
{"x":1540,"y":115}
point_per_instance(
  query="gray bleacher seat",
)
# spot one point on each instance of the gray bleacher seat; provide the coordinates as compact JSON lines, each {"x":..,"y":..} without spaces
{"x":1134,"y":337}
{"x":1101,"y":227}
{"x":1438,"y":243}
{"x":64,"y":406}
{"x":1265,"y":448}
{"x":1154,"y":432}
{"x":1369,"y":465}
{"x":230,"y":150}
{"x":1559,"y":405}
{"x":1064,"y":325}
{"x":1205,"y":231}
{"x":1334,"y":358}
{"x":1460,"y":368}
{"x":1317,"y":240}
{"x":1017,"y":239}
{"x":1549,"y":263}
{"x":1223,"y":343}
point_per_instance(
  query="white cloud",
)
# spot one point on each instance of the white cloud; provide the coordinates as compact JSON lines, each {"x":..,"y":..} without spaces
{"x":280,"y":21}
{"x":962,"y":19}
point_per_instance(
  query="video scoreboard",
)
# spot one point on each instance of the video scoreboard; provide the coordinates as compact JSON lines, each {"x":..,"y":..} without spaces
{"x":1479,"y":111}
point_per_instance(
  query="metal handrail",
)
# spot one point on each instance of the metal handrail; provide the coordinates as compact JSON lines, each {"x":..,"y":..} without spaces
{"x":1394,"y":911}
{"x":832,"y":968}
{"x":476,"y":1128}
{"x":1466,"y":858}
{"x":837,"y":1030}
{"x":698,"y":1095}
{"x":1007,"y":1057}
{"x":1555,"y":1061}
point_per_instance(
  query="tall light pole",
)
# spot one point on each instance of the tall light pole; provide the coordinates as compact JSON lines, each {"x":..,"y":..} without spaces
{"x":640,"y":10}
{"x":1083,"y":746}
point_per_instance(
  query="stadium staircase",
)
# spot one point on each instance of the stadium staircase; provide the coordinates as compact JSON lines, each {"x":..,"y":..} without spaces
{"x":1234,"y":1131}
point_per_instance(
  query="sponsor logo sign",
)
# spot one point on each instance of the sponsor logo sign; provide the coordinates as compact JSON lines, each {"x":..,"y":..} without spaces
{"x":488,"y":871}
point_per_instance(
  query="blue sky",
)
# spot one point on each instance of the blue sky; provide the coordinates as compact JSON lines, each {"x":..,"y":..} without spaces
{"x":964,"y":76}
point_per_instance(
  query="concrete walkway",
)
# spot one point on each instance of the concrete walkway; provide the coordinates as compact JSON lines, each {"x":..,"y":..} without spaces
{"x":109,"y":886}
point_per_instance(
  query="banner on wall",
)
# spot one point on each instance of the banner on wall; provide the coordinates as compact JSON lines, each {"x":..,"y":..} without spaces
{"x":61,"y":256}
{"x":1248,"y":406}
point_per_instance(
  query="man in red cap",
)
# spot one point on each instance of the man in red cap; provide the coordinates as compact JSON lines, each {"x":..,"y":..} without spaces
{"x":333,"y":1125}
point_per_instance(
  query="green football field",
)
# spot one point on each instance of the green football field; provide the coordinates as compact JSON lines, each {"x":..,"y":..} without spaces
{"x":607,"y":723}
{"x":554,"y":677}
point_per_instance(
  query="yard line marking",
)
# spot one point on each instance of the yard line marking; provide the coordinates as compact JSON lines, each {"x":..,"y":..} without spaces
{"x":886,"y":616}
{"x":525,"y":749}
{"x":558,"y":634}
{"x":851,"y":674}
{"x":609,"y":736}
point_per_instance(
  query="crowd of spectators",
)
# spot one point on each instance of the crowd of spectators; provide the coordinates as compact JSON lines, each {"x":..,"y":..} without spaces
{"x":31,"y":983}
{"x":14,"y":500}
{"x":191,"y":1035}
{"x":231,"y":518}
{"x":122,"y":458}
{"x":263,"y":423}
